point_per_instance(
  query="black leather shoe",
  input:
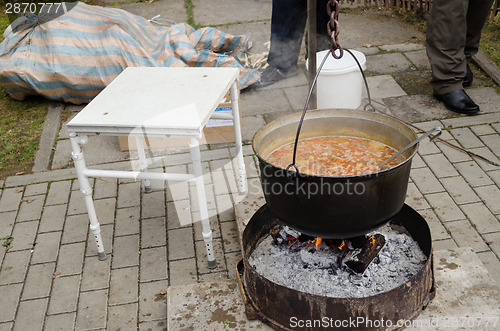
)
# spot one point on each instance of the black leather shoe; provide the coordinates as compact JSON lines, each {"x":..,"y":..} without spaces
{"x":459,"y":102}
{"x":469,"y":77}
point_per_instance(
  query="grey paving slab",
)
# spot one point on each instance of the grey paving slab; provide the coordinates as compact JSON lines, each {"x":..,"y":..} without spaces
{"x":473,"y":174}
{"x":257,"y":32}
{"x":445,"y":207}
{"x":38,"y":281}
{"x":387,"y":63}
{"x":64,"y":296}
{"x":230,"y":237}
{"x":48,"y":137}
{"x":153,"y":204}
{"x":491,"y":196}
{"x":488,"y":154}
{"x":493,"y":142}
{"x":153,"y":264}
{"x":40,"y":177}
{"x":58,"y":193}
{"x":180,"y":244}
{"x":129,"y":195}
{"x":223,"y":12}
{"x":408,"y":47}
{"x":459,"y":190}
{"x":482,"y":219}
{"x":493,"y":240}
{"x":96,"y":274}
{"x":483,"y":129}
{"x":201,"y":257}
{"x":10,"y":199}
{"x":76,"y":204}
{"x":466,"y":138}
{"x":198,"y":227}
{"x":453,"y":154}
{"x":250,"y":125}
{"x":158,"y":325}
{"x":167,"y":9}
{"x":222,"y":297}
{"x":9,"y":301}
{"x":52,"y":218}
{"x":30,"y":209}
{"x":75,"y":229}
{"x":466,"y":236}
{"x":124,"y":285}
{"x":440,"y":165}
{"x":105,"y":210}
{"x":127,"y":221}
{"x":70,"y":259}
{"x":24,"y":235}
{"x":182,"y":272}
{"x":126,"y":251}
{"x":151,"y":301}
{"x":383,"y":86}
{"x":417,"y":108}
{"x":46,"y":248}
{"x":471,"y":120}
{"x":225,"y":207}
{"x":486,"y":98}
{"x":425,"y":180}
{"x":123,"y":317}
{"x":31,"y":314}
{"x":153,"y":232}
{"x":14,"y":267}
{"x":35,"y":189}
{"x":107,"y":239}
{"x":438,"y":231}
{"x":105,"y":188}
{"x":60,"y":322}
{"x":492,"y":264}
{"x":179,"y":214}
{"x":419,"y":59}
{"x":263,"y":101}
{"x":92,"y":312}
{"x":444,"y":244}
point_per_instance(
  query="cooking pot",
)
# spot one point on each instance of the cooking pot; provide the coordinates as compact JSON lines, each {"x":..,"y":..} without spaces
{"x":332,"y":206}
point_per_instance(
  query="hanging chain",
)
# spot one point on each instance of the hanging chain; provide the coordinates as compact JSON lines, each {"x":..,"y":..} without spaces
{"x":333,"y":28}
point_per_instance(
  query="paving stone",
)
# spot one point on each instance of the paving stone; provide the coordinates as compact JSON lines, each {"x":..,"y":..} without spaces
{"x":493,"y":142}
{"x":75,"y":229}
{"x":179,"y":214}
{"x":92,"y":310}
{"x":387,"y":63}
{"x":232,"y":260}
{"x":7,"y":220}
{"x":127,"y":221}
{"x":495,"y":175}
{"x":60,"y":322}
{"x":47,"y":247}
{"x":95,"y":274}
{"x":465,"y":235}
{"x":417,"y":108}
{"x":178,"y":190}
{"x":264,"y":101}
{"x":445,"y":207}
{"x":483,"y":129}
{"x":491,"y":196}
{"x":488,"y":154}
{"x":440,"y":166}
{"x":129,"y":195}
{"x":70,"y":260}
{"x":14,"y":267}
{"x":240,"y":12}
{"x":58,"y":193}
{"x":106,"y":237}
{"x":425,"y":180}
{"x":182,"y":272}
{"x":153,"y":264}
{"x":31,"y":209}
{"x":40,"y":177}
{"x":419,"y":59}
{"x":492,"y":264}
{"x":453,"y":154}
{"x":230,"y":237}
{"x":11,"y":198}
{"x":213,"y":277}
{"x":153,"y":204}
{"x":459,"y":190}
{"x":209,"y":196}
{"x":159,"y":325}
{"x":24,"y":235}
{"x":486,"y":97}
{"x":180,"y":244}
{"x":473,"y":174}
{"x":382,"y":86}
{"x":176,"y":160}
{"x":250,"y":125}
{"x":105,"y":188}
{"x":126,"y":252}
{"x":444,"y":244}
{"x":38,"y":281}
{"x":470,"y":120}
{"x":6,"y":326}
{"x":105,"y":210}
{"x":438,"y":231}
{"x":122,"y":317}
{"x":402,"y":47}
{"x":466,"y":138}
{"x":368,"y":50}
{"x":225,"y":207}
{"x":31,"y":315}
{"x":123,"y":287}
{"x":482,"y":219}
{"x":215,"y":154}
{"x":9,"y":301}
{"x":153,"y":232}
{"x":297,"y":96}
{"x":201,"y":257}
{"x":493,"y":240}
{"x":52,"y":218}
{"x":172,"y":10}
{"x":64,"y":295}
{"x":35,"y":189}
{"x":76,"y":204}
{"x":198,"y":227}
{"x":152,"y":305}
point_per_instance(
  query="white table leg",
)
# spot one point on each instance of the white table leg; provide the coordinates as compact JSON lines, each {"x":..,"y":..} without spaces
{"x":143,"y":162}
{"x":241,"y":177}
{"x":194,"y":148}
{"x":86,"y":190}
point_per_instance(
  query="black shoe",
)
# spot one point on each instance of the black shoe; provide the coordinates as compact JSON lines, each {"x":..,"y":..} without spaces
{"x":459,"y":102}
{"x":469,"y":77}
{"x":272,"y":75}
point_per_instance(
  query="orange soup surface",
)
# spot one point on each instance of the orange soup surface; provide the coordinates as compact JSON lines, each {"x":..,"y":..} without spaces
{"x":335,"y":156}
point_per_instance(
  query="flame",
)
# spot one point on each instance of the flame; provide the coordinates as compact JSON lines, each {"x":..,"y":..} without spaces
{"x":342,"y":245}
{"x":318,"y":241}
{"x":373,"y":240}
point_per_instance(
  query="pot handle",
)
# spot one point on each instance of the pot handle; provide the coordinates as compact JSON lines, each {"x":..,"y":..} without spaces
{"x":289,"y":173}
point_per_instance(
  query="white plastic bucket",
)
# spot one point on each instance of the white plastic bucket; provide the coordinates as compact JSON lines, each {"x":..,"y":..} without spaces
{"x":340,"y":83}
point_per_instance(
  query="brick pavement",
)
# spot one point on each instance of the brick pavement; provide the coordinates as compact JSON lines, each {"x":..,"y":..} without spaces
{"x":51,"y":278}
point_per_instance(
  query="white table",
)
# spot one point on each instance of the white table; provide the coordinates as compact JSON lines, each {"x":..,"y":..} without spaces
{"x":158,"y":102}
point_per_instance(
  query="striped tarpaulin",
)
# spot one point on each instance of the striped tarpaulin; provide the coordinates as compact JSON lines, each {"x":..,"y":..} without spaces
{"x":73,"y":57}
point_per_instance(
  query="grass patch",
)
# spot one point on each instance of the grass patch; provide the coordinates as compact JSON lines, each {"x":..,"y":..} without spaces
{"x":189,"y":6}
{"x":21,"y":125}
{"x":490,"y":40}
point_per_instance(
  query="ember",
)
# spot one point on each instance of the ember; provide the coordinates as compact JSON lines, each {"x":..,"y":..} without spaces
{"x":292,"y":259}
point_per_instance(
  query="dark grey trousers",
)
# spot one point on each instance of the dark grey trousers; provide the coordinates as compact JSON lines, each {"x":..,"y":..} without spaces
{"x":453,"y":34}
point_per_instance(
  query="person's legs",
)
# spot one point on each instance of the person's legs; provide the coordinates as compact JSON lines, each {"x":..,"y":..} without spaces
{"x":477,"y":13}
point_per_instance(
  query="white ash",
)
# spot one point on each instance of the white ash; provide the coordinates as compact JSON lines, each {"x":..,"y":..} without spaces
{"x":318,"y":273}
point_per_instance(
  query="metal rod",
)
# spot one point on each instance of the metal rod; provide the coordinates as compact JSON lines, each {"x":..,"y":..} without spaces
{"x":137,"y":175}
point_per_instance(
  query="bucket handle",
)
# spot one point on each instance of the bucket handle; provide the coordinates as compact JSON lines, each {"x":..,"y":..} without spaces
{"x":368,"y":105}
